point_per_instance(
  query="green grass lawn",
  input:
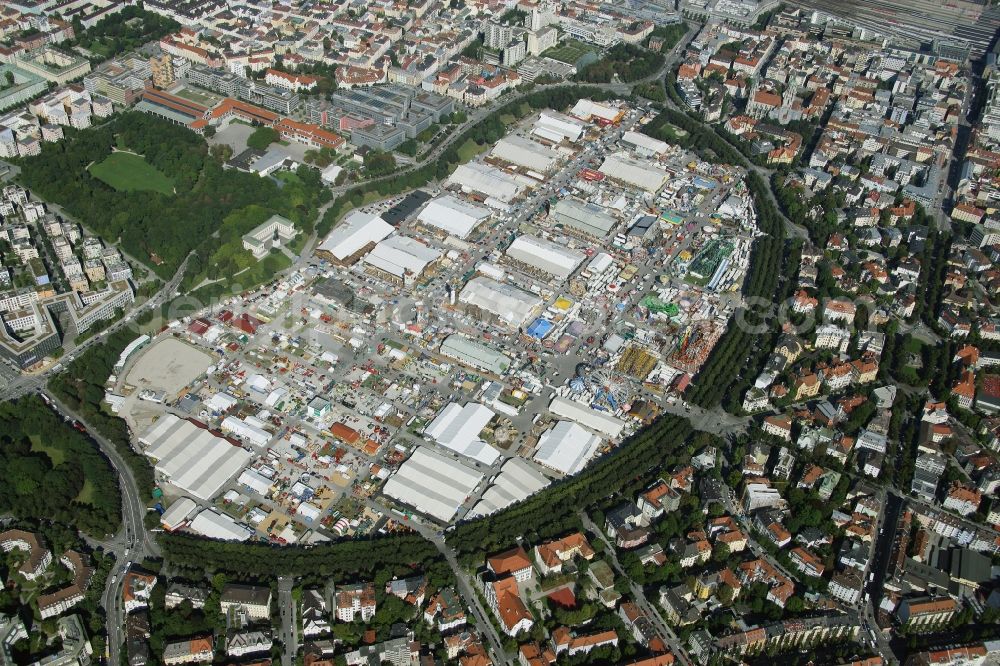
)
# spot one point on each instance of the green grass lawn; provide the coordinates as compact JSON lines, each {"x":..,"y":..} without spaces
{"x":205,"y":99}
{"x":57,"y":456}
{"x":127,"y":172}
{"x":86,"y":495}
{"x":469,"y":149}
{"x":568,"y":52}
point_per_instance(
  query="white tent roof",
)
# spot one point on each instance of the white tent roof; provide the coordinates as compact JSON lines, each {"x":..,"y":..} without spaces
{"x":401,"y":256}
{"x":553,"y":122}
{"x":355,"y":232}
{"x":525,"y":152}
{"x":221,"y":402}
{"x":566,"y":447}
{"x":177,"y":512}
{"x":586,"y":109}
{"x":546,"y":255}
{"x":504,"y":300}
{"x":597,"y":421}
{"x":217,"y":525}
{"x":457,"y":428}
{"x":517,"y":480}
{"x":432,"y":483}
{"x":246,"y":430}
{"x":255,"y":481}
{"x":453,"y":215}
{"x":645,"y":142}
{"x":486,"y":180}
{"x":634,"y":172}
{"x":586,"y":216}
{"x":192,"y":458}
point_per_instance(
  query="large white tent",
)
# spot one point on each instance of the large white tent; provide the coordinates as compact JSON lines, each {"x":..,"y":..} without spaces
{"x":516,"y":481}
{"x":354,"y":234}
{"x":217,"y":525}
{"x":192,"y":458}
{"x":453,"y":215}
{"x":457,"y":428}
{"x":486,"y":180}
{"x":602,"y":422}
{"x":625,"y":169}
{"x":402,"y":256}
{"x":512,"y":305}
{"x":523,"y":152}
{"x":566,"y":447}
{"x":432,"y":483}
{"x":550,"y":257}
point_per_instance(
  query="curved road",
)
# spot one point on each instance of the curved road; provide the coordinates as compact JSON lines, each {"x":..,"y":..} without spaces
{"x":131,"y":544}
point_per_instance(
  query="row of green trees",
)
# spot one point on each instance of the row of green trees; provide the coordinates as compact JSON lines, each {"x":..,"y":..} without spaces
{"x":741,"y":352}
{"x":399,"y":555}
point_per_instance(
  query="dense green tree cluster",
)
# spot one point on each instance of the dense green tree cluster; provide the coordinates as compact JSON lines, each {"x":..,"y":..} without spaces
{"x":262,"y":137}
{"x":123,"y":31}
{"x":630,"y":63}
{"x":401,"y":555}
{"x":378,"y":163}
{"x":151,"y":225}
{"x":652,"y":91}
{"x":50,"y":471}
{"x":81,"y":388}
{"x":670,"y":34}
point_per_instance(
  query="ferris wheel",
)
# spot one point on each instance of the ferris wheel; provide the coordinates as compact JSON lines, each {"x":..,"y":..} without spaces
{"x":610,"y":388}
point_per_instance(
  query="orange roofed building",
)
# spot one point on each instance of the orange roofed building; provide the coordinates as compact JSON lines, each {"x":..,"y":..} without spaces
{"x":551,"y":555}
{"x":514,"y":562}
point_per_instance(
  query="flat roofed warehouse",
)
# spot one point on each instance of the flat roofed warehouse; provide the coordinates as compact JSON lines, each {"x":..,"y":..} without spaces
{"x":566,"y":447}
{"x":453,"y":215}
{"x":432,"y":483}
{"x":526,"y":153}
{"x":475,"y":354}
{"x":508,"y":304}
{"x":192,"y":458}
{"x":585,"y":217}
{"x":625,"y":169}
{"x":457,"y":428}
{"x":545,"y":255}
{"x":486,"y":180}
{"x":353,"y":237}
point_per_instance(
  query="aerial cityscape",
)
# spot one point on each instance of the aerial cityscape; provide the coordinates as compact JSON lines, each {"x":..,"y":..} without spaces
{"x":479,"y":332}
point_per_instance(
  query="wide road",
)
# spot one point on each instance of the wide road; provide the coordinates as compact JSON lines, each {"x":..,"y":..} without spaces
{"x":132,"y":544}
{"x":289,"y":632}
{"x":466,"y":585}
{"x":667,"y":634}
